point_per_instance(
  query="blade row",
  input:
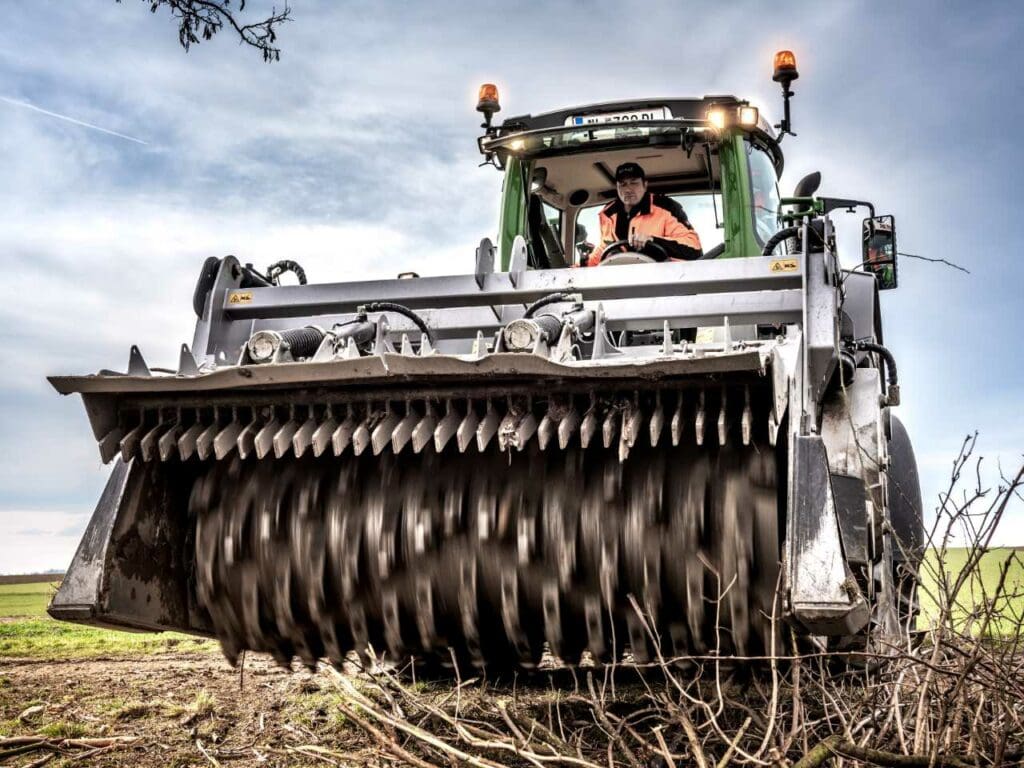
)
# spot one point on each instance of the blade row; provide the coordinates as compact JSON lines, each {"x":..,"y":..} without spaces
{"x":498,"y":559}
{"x":616,"y":420}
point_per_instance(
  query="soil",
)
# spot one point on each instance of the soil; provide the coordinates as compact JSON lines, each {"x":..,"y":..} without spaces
{"x":176,"y":706}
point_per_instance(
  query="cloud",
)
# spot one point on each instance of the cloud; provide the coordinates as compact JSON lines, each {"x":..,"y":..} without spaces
{"x":356,"y":156}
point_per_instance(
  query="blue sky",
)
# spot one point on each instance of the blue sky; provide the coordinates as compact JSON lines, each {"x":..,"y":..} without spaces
{"x":355,"y":154}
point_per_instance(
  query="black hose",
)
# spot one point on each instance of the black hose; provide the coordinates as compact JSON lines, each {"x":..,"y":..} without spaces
{"x":303,"y":342}
{"x":390,"y":306}
{"x":892,"y":378}
{"x":778,"y":237}
{"x":287,"y":265}
{"x":551,"y":298}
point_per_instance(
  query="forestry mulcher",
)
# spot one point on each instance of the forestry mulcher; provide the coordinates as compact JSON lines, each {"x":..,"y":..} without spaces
{"x":648,"y":456}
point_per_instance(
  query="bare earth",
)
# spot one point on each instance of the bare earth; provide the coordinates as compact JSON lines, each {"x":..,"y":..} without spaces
{"x":177,"y":706}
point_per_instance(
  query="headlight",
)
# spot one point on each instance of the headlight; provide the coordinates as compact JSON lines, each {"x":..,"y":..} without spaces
{"x":521,"y":335}
{"x":263,"y":345}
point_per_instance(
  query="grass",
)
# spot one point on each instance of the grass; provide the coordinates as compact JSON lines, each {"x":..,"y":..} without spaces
{"x":36,"y":635}
{"x":978,"y":588}
{"x":26,"y":599}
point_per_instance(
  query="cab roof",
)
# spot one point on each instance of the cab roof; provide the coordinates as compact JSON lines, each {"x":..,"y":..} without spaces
{"x":685,"y":109}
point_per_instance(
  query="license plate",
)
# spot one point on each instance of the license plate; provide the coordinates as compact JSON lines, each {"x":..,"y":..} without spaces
{"x":635,"y":116}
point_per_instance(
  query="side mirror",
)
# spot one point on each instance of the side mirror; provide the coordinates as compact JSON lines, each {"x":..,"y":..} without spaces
{"x":808,"y":185}
{"x":879,"y":234}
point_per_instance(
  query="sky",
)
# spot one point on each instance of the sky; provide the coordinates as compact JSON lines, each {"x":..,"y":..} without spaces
{"x":126,"y":161}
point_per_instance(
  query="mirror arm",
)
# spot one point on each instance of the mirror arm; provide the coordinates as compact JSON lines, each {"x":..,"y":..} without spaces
{"x":835,"y":203}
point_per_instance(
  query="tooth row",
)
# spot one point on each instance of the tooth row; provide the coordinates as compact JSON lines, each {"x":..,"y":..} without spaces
{"x":737,"y":414}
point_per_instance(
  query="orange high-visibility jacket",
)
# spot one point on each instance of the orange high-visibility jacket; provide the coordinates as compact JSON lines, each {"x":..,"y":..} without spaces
{"x":656,"y":215}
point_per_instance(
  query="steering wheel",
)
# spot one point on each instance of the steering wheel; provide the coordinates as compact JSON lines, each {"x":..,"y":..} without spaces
{"x":635,"y":256}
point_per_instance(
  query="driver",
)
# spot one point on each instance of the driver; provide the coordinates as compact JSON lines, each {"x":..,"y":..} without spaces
{"x":654,"y":225}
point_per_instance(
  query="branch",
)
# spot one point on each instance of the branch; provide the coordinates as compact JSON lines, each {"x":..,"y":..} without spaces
{"x":934,"y":261}
{"x":202,"y":19}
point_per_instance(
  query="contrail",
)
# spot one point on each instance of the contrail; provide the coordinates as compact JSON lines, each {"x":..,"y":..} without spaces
{"x":25,"y":104}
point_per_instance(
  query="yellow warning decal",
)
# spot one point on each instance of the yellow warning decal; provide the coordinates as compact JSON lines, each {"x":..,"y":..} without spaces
{"x":240,"y":297}
{"x":784,"y":265}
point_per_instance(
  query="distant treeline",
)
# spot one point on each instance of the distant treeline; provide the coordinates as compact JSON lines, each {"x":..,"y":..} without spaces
{"x":32,"y":578}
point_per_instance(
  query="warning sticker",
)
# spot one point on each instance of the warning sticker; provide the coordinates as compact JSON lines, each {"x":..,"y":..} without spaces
{"x":240,"y":297}
{"x":784,"y":265}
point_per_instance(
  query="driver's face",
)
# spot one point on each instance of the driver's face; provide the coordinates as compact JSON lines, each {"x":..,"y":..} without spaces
{"x":631,"y":191}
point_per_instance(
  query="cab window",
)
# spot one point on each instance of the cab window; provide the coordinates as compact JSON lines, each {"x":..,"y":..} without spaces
{"x":764,"y":191}
{"x":700,"y":210}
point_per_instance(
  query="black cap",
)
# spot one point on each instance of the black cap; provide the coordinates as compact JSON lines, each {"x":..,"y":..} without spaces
{"x":629,"y":171}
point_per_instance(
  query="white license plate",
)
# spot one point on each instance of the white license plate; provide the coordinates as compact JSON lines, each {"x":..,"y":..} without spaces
{"x":657,"y":113}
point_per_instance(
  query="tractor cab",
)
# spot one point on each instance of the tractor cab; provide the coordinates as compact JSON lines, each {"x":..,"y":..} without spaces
{"x":716,"y":156}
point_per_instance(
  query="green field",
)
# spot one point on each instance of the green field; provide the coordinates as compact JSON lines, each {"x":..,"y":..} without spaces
{"x":978,"y":589}
{"x":26,"y":631}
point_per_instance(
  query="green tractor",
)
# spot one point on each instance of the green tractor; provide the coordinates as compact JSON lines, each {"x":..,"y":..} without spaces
{"x":536,"y":457}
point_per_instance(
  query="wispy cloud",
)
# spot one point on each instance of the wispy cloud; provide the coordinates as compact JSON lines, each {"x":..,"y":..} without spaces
{"x":72,"y":120}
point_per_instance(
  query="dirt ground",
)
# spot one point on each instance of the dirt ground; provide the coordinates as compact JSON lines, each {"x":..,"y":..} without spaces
{"x":175,"y":707}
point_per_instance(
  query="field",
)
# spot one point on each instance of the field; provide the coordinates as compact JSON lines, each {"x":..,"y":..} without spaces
{"x":113,"y":698}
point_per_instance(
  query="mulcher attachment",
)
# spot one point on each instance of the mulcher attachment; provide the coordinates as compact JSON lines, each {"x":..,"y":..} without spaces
{"x":496,"y":556}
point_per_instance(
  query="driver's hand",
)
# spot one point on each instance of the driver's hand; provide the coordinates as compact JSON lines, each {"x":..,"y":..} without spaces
{"x":639,"y":239}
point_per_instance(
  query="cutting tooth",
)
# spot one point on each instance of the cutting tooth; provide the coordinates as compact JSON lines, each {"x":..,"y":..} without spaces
{"x":548,"y":426}
{"x":510,"y":617}
{"x":168,"y":442}
{"x":148,"y":443}
{"x":698,"y":422}
{"x":773,"y":427}
{"x":610,"y":426}
{"x":595,"y":625}
{"x":246,"y":441}
{"x":424,"y":430}
{"x":552,"y":616}
{"x":322,"y":434}
{"x":678,"y":420}
{"x":487,"y":427}
{"x":657,"y":419}
{"x":283,"y":437}
{"x":519,"y":432}
{"x":381,"y":434}
{"x":469,"y":614}
{"x":303,"y":437}
{"x":264,"y":441}
{"x":589,"y":425}
{"x":632,"y":418}
{"x":569,"y":424}
{"x":227,"y":439}
{"x":467,"y":428}
{"x":722,"y":434}
{"x":130,"y":442}
{"x":204,"y":443}
{"x":402,"y":433}
{"x":345,"y":434}
{"x":361,"y":437}
{"x":425,"y":623}
{"x":505,"y":430}
{"x":392,"y":624}
{"x":747,"y":419}
{"x":110,"y":444}
{"x":187,"y":442}
{"x":447,"y":427}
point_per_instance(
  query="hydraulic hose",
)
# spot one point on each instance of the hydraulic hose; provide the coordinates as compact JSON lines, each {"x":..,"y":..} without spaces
{"x":390,"y":306}
{"x":551,"y":298}
{"x":778,"y":237}
{"x":278,"y":268}
{"x":303,"y":342}
{"x":892,"y":378}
